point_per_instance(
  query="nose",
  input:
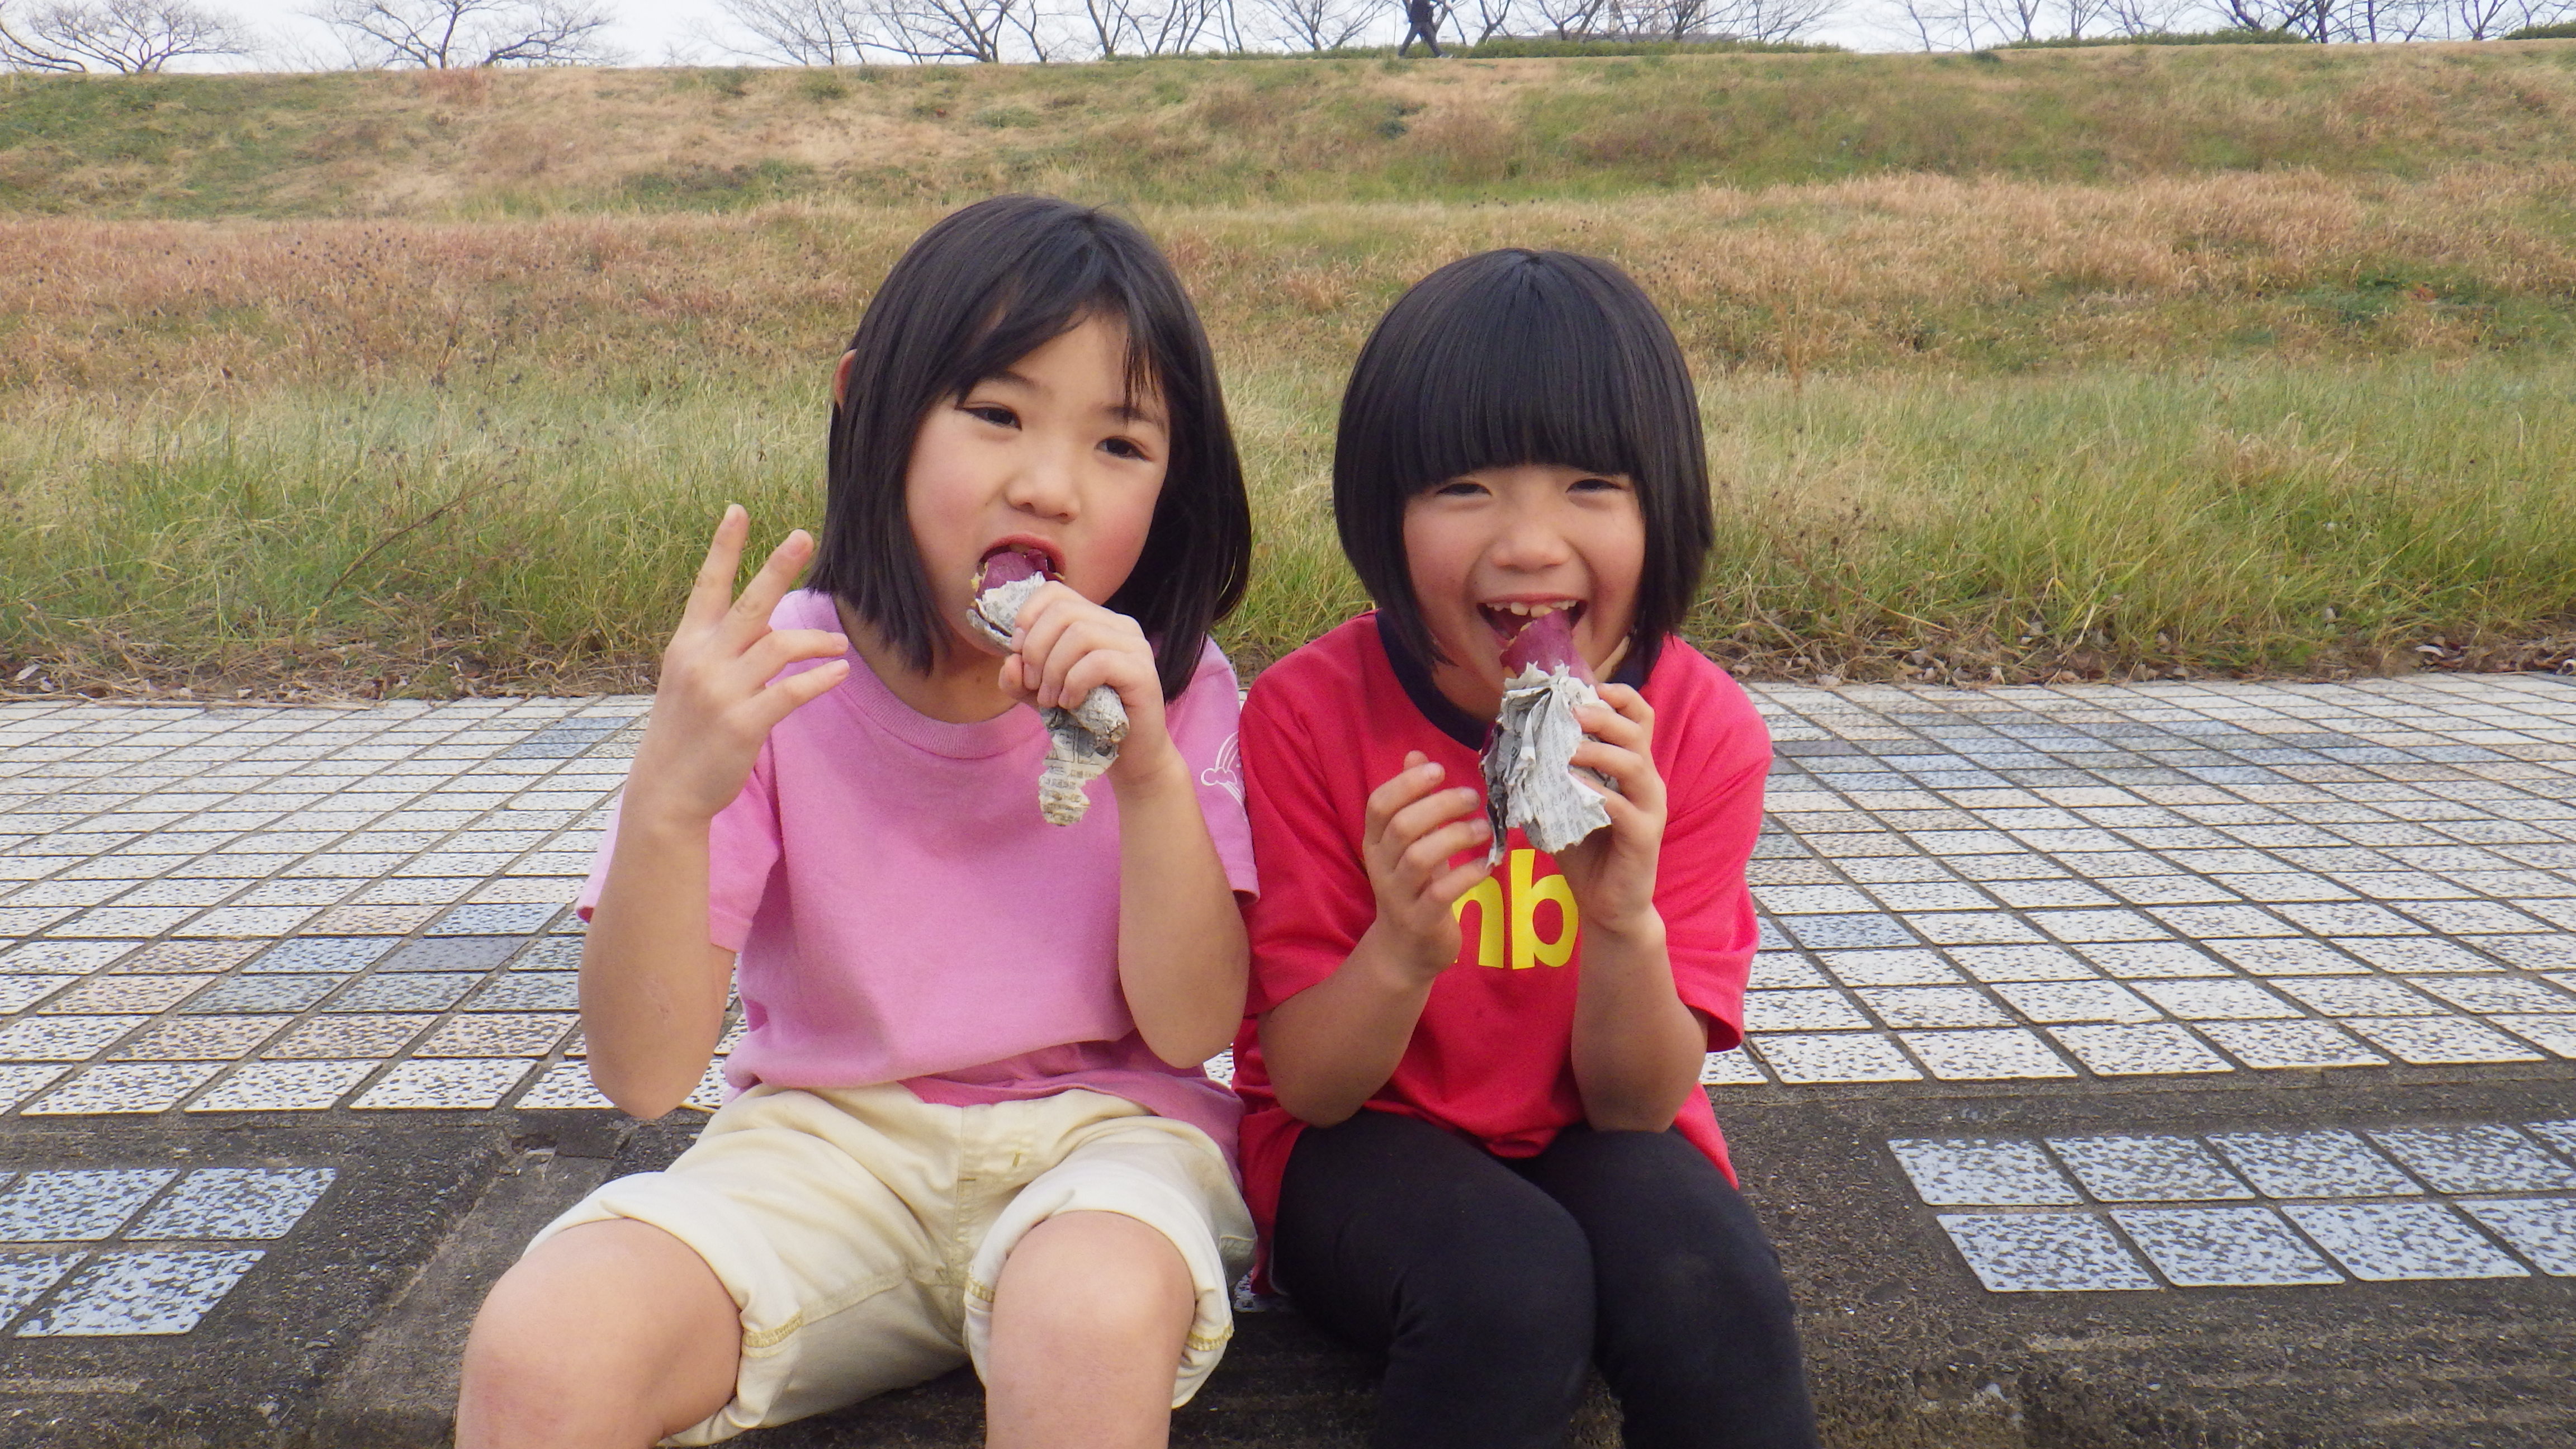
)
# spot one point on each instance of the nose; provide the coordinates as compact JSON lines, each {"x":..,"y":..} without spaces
{"x":1530,"y":541}
{"x":1042,"y":484}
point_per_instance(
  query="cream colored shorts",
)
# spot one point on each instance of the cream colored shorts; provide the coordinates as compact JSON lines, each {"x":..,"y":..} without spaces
{"x":861,"y":1232}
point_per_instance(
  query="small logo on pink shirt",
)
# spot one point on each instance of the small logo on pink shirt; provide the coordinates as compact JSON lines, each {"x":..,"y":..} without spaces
{"x":1227,"y":773}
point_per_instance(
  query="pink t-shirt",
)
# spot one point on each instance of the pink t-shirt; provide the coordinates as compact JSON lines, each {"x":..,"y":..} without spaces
{"x":904,"y":914}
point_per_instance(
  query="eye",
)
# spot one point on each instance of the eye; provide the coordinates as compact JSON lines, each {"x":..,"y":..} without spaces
{"x":1125,"y":448}
{"x":994,"y":413}
{"x":1597,"y":485}
{"x":1459,"y":488}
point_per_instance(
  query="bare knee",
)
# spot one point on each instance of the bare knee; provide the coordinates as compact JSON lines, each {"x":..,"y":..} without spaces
{"x":611,"y":1334}
{"x":1098,"y":1276}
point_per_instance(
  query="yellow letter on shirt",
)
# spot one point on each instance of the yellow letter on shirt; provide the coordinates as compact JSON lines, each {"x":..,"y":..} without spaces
{"x":1527,"y":948}
{"x":1487,"y":898}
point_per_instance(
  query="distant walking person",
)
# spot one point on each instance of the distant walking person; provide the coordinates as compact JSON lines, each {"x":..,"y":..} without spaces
{"x":1424,"y":17}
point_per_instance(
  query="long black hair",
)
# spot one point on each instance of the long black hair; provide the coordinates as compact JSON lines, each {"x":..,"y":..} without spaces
{"x":977,"y":292}
{"x":1512,"y":357}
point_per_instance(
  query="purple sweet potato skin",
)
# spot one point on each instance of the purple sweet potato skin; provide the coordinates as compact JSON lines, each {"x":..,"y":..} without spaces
{"x":1007,"y":567}
{"x":1548,"y":643}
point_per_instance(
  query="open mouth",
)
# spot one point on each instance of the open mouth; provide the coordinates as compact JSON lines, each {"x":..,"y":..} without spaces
{"x":1509,"y":618}
{"x":1014,"y":559}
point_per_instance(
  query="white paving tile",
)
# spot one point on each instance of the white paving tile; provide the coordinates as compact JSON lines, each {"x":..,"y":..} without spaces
{"x":2277,"y":1045}
{"x":2486,"y":1158}
{"x":1983,"y":1172}
{"x":1834,"y":1057}
{"x":133,"y":1293}
{"x":2238,"y":1247}
{"x":2044,"y":1252}
{"x":2147,"y":1167}
{"x":2542,"y":1230}
{"x":2154,"y":1049}
{"x":1986,"y":1056}
{"x":2321,"y":1162}
{"x":2392,"y":1241}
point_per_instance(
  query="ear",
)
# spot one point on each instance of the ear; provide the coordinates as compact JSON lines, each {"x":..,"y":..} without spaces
{"x":841,"y":379}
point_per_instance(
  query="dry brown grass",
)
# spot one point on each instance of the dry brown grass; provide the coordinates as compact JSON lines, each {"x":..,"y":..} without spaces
{"x":1200,"y":131}
{"x":1912,"y":272}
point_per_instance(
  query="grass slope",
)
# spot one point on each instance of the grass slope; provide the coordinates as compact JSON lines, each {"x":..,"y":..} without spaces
{"x":2295,"y":419}
{"x":1199,"y":132}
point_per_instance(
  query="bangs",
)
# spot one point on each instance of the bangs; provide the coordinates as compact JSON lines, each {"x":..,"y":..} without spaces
{"x":1049,"y":295}
{"x":1531,"y":375}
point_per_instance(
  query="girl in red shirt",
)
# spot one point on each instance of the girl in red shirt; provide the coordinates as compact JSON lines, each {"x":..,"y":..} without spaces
{"x":1476,"y":1140}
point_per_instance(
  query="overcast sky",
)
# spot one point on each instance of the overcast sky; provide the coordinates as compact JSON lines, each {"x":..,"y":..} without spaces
{"x":655,"y":32}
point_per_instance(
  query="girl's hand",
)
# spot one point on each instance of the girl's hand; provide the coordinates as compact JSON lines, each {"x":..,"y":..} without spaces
{"x":716,"y":703}
{"x":1413,"y":830}
{"x":1063,"y":646}
{"x":1612,"y":872}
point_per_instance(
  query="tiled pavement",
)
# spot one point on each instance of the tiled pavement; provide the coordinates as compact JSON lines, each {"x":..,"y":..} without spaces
{"x":309,"y":915}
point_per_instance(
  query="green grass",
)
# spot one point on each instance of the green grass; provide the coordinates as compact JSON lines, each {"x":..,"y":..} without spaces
{"x":2115,"y":521}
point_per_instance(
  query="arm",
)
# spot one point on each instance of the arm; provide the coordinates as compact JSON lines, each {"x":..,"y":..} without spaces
{"x":652,"y":985}
{"x":1182,"y":958}
{"x":1333,"y":1045}
{"x":1637,"y":1048}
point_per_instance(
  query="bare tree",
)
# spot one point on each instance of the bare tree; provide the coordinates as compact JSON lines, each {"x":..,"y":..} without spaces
{"x":801,"y":32}
{"x":1767,"y":21}
{"x":976,"y":30}
{"x":1488,"y":19}
{"x":444,"y":34}
{"x":130,"y":37}
{"x":1573,"y":19}
{"x":1316,"y":24}
{"x":1152,"y":27}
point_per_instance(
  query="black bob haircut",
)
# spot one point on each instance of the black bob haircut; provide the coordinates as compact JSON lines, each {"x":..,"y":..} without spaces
{"x":985,"y":287}
{"x":1512,"y":357}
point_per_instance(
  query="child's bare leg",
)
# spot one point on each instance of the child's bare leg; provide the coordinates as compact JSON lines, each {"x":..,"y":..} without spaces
{"x":611,"y":1336}
{"x":1088,"y":1325}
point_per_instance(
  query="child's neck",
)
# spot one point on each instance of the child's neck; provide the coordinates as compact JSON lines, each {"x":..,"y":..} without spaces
{"x":963,"y":685}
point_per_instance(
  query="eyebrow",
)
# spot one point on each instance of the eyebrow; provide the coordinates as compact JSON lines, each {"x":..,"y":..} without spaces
{"x":1125,"y":412}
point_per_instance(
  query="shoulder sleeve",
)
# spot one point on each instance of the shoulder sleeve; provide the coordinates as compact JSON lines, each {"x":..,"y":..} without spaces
{"x":1317,"y":902}
{"x":743,"y":845}
{"x":1203,"y":722}
{"x":1718,"y":755}
{"x":742,"y":849}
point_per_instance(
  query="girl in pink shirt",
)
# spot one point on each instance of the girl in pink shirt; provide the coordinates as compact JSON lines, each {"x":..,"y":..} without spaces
{"x":969,"y":1122}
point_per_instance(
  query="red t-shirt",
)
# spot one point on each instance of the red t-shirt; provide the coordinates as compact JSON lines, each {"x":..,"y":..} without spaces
{"x":1492,"y":1057}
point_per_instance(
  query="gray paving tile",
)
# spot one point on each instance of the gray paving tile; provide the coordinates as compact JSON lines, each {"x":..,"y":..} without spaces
{"x":2125,"y":1167}
{"x":2542,"y":1230}
{"x":199,"y":1038}
{"x":425,"y":991}
{"x":2440,"y":1040}
{"x":238,"y":1203}
{"x":2044,"y":1252}
{"x":134,"y":1293}
{"x":115,"y":1088}
{"x":78,"y":1205}
{"x":1983,"y":1172}
{"x":344,"y":954}
{"x":2153,"y":1049}
{"x":24,"y":1277}
{"x":1834,"y":1057}
{"x":454,"y":953}
{"x":2324,"y":1162}
{"x":2475,"y":1159}
{"x":284,"y":1086}
{"x":2274,"y":1045}
{"x":2392,"y":1241}
{"x":464,"y":1083}
{"x":2240,"y":1247}
{"x":62,"y":1039}
{"x":263,"y":994}
{"x":1985,"y":1056}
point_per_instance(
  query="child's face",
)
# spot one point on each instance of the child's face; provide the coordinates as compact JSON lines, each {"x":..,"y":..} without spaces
{"x":1489,"y":549}
{"x":1048,"y":456}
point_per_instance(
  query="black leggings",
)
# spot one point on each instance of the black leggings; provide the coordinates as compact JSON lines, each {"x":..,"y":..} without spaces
{"x":1491,"y":1283}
